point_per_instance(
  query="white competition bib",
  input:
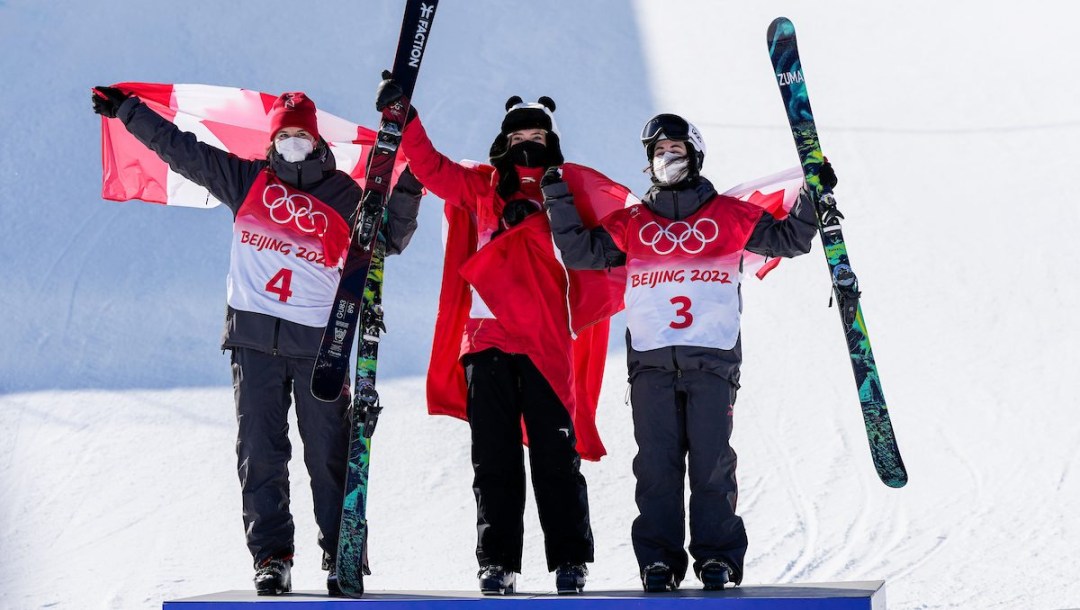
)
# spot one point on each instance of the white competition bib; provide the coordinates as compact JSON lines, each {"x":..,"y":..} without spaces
{"x":683,"y":276}
{"x":286,"y":249}
{"x":694,"y":302}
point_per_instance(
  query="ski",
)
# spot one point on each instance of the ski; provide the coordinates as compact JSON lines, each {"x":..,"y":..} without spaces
{"x":784,"y":53}
{"x":352,"y":558}
{"x":359,"y":303}
{"x":332,"y":361}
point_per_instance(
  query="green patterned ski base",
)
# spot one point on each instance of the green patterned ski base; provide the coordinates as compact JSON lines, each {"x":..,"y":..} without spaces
{"x":352,"y":562}
{"x":352,"y":545}
{"x":784,"y":52}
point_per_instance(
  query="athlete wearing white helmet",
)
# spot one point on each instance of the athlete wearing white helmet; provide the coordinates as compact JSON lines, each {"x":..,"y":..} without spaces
{"x":681,"y":148}
{"x":683,"y":247}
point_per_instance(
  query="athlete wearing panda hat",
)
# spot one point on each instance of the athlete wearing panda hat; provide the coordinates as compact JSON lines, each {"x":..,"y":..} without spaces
{"x":682,"y":245}
{"x":507,"y":381}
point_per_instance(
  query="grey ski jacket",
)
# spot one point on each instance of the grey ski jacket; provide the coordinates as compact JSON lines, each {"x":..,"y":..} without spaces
{"x":583,"y":248}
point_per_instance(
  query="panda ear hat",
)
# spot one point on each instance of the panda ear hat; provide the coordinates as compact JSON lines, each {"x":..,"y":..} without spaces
{"x":514,"y":100}
{"x":528,"y":115}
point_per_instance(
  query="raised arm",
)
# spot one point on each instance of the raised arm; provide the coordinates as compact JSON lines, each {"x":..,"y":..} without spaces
{"x":788,"y":237}
{"x":225,"y":175}
{"x":581,"y":248}
{"x":448,"y":179}
{"x":443,"y":176}
{"x":792,"y":236}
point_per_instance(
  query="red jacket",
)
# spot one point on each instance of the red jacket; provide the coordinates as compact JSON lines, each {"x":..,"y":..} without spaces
{"x":520,"y":279}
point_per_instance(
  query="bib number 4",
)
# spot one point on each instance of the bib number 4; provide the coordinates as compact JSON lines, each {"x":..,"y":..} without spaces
{"x":683,"y":317}
{"x":280,"y":284}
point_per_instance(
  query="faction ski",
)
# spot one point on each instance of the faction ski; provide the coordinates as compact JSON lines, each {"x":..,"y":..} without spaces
{"x":359,"y":302}
{"x":784,"y":52}
{"x":332,"y":361}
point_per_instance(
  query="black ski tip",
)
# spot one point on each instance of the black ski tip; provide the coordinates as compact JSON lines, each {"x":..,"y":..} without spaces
{"x":327,"y":384}
{"x":412,"y":42}
{"x":780,"y":28}
{"x":323,"y":394}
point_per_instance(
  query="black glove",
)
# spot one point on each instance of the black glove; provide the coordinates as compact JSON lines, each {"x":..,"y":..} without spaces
{"x":518,"y":210}
{"x":387,"y":95}
{"x":827,"y":176}
{"x":388,"y":91}
{"x":553,"y":175}
{"x":107,"y":100}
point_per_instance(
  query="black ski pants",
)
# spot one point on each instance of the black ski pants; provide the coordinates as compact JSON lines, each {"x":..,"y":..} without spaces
{"x":503,"y":389}
{"x":679,"y":414}
{"x":263,"y":385}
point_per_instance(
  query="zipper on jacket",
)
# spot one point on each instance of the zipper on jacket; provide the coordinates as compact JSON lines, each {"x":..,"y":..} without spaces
{"x":277,"y":329}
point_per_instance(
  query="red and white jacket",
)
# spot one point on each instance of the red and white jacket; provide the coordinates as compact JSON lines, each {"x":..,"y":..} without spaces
{"x":530,"y":304}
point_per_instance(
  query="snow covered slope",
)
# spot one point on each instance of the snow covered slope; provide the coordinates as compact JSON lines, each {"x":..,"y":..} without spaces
{"x":951,"y":126}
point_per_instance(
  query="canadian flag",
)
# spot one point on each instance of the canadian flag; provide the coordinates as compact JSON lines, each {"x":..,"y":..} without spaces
{"x":520,"y":277}
{"x":232,"y":119}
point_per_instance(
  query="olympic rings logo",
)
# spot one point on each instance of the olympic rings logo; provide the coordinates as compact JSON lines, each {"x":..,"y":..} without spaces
{"x":691,"y":239}
{"x":295,"y":209}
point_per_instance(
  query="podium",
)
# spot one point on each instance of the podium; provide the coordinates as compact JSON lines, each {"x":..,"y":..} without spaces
{"x":867,"y":595}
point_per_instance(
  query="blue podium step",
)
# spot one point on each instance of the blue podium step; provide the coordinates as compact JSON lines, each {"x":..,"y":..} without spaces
{"x":869,"y":595}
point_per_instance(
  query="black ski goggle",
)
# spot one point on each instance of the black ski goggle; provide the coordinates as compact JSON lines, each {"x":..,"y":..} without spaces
{"x":670,"y":126}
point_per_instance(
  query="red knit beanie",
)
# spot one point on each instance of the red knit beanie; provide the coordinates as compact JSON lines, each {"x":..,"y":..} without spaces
{"x":293,"y":109}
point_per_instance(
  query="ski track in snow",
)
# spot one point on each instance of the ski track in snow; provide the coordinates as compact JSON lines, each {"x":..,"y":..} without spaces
{"x":804,"y":532}
{"x":855,"y":531}
{"x":952,"y":449}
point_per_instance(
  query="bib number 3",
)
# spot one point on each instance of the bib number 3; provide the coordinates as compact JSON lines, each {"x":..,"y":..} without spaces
{"x":280,"y":284}
{"x":682,"y":313}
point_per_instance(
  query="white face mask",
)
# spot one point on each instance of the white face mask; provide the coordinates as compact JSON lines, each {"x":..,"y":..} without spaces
{"x":670,"y":167}
{"x":294,"y":150}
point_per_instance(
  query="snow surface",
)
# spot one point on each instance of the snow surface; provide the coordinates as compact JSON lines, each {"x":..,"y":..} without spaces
{"x":951,"y":125}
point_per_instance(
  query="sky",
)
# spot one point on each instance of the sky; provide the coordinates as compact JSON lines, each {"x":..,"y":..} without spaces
{"x":951,"y":128}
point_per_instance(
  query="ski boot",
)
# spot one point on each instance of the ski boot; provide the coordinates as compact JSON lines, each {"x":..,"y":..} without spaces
{"x":333,"y":588}
{"x":658,"y":578}
{"x":570,"y":578}
{"x":496,"y":580}
{"x":715,"y":574}
{"x":273,"y":576}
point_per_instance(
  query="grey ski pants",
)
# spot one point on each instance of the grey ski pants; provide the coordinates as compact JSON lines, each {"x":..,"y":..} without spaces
{"x":264,"y":386}
{"x":679,"y":414}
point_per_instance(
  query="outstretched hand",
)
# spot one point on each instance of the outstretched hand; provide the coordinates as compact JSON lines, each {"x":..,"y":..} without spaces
{"x":107,"y":100}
